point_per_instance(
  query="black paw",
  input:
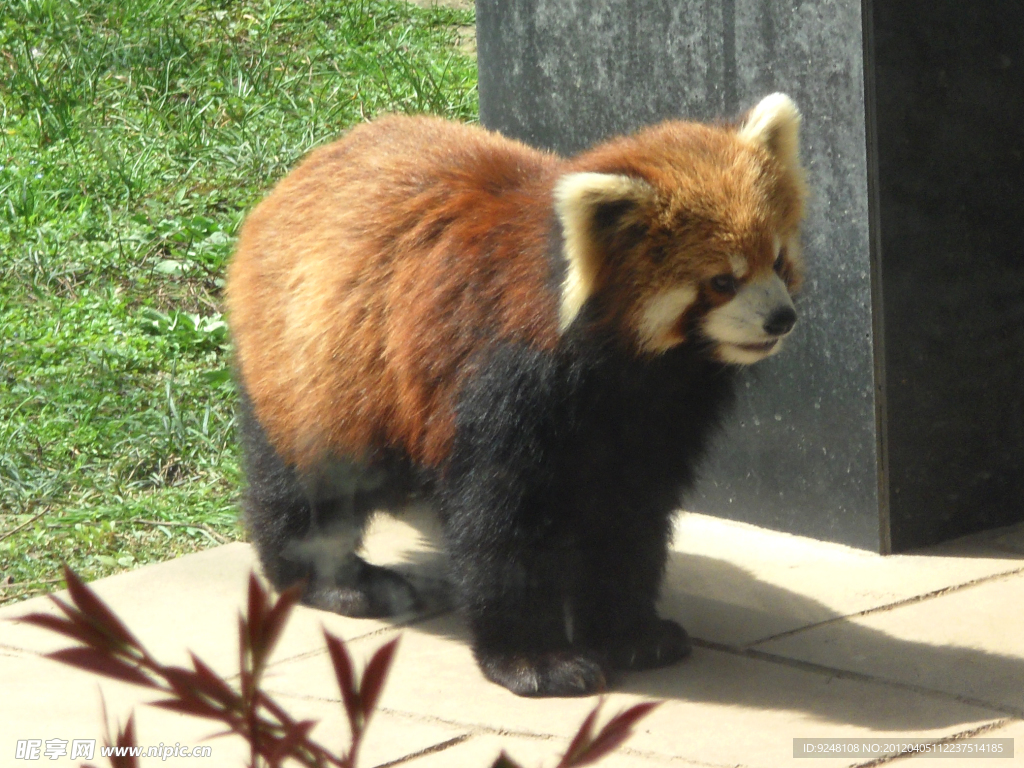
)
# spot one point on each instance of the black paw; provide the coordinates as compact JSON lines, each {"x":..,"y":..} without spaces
{"x":654,"y":644}
{"x":376,"y":593}
{"x":555,"y":673}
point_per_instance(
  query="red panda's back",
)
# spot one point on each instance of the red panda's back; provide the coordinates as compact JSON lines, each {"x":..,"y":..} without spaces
{"x":363,"y":285}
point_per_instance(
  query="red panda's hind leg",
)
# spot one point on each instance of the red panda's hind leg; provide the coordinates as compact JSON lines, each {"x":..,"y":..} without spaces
{"x":361,"y":589}
{"x":308,"y":528}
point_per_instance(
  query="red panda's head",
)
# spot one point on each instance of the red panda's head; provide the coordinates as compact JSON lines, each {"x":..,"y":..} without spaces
{"x":689,"y":232}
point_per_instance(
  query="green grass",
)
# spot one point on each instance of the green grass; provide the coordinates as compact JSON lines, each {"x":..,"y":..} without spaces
{"x":134,"y":136}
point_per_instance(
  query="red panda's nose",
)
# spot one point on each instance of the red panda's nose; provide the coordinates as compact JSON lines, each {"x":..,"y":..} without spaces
{"x":780,"y":322}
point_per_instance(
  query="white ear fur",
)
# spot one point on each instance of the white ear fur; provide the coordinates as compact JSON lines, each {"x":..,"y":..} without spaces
{"x":577,"y":198}
{"x":775,"y":124}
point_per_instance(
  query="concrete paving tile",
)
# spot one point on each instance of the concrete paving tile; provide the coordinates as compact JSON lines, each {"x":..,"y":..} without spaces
{"x":969,"y":642}
{"x":736,"y":584}
{"x":728,"y":583}
{"x":193,"y":602}
{"x":388,"y":738}
{"x":721,"y":708}
{"x":482,"y":750}
{"x":46,"y":700}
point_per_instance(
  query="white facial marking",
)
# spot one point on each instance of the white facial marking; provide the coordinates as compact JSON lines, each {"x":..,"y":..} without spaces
{"x":738,"y":325}
{"x":660,"y":316}
{"x":738,"y":264}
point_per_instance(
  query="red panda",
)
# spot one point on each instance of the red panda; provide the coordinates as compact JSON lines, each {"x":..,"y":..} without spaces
{"x":538,"y":347}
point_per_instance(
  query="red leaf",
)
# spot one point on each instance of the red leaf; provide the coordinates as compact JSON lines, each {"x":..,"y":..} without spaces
{"x":187,"y":688}
{"x":276,"y":619}
{"x":76,"y":625}
{"x":77,"y":630}
{"x":273,"y":708}
{"x":583,"y":736}
{"x":190,"y":706}
{"x":346,"y":679}
{"x":615,"y":731}
{"x":125,"y":738}
{"x":182,"y":681}
{"x":245,"y":653}
{"x":255,"y":614}
{"x":210,"y":683}
{"x":100,"y":663}
{"x":374,"y":675}
{"x":96,"y":611}
{"x":297,"y":734}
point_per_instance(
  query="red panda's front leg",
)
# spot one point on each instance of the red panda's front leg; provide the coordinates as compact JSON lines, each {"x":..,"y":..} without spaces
{"x":515,"y":557}
{"x":558,"y":497}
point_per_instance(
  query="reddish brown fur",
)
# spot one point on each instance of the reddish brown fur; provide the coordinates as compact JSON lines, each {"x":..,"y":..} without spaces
{"x":363,"y":285}
{"x":714,"y":196}
{"x":360,"y":286}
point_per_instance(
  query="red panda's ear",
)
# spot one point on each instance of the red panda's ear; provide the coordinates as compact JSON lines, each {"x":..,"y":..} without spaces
{"x":775,"y":124}
{"x":593,"y":209}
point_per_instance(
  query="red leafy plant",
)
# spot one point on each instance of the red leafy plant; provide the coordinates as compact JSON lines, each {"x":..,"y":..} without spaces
{"x":111,"y":650}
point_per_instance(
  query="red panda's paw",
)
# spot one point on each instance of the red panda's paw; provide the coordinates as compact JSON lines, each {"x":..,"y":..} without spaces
{"x":378,"y":593}
{"x":553,"y":673}
{"x":654,"y":644}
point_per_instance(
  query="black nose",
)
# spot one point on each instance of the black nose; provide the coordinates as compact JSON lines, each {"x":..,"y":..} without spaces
{"x":781,"y":321}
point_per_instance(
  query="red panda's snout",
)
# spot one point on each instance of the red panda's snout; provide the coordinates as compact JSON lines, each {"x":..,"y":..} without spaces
{"x":753,"y":324}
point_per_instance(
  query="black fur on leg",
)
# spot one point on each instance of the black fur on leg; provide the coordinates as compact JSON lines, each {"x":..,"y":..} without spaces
{"x":309,"y":528}
{"x":558,"y":499}
{"x":652,"y":644}
{"x":275,"y":506}
{"x":554,"y":673}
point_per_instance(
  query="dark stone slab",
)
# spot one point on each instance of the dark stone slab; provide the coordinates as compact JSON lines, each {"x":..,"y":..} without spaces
{"x":949,"y":79}
{"x":875,"y":435}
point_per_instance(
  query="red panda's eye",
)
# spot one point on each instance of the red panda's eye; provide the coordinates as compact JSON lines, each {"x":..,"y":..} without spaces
{"x":724,"y":283}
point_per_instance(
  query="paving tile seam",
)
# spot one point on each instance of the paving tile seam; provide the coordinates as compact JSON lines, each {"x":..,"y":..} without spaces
{"x":647,"y":754}
{"x":14,"y":650}
{"x":418,"y":717}
{"x":20,"y":651}
{"x":937,"y":593}
{"x":428,"y":751}
{"x":848,"y":674}
{"x":475,"y":728}
{"x":380,"y":631}
{"x":480,"y":729}
{"x":968,"y":734}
